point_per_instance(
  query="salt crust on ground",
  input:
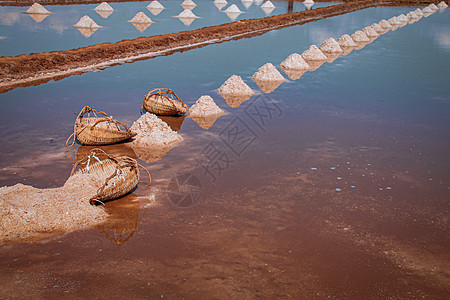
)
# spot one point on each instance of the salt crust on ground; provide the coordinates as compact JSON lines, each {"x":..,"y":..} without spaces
{"x":153,"y":132}
{"x":140,"y":17}
{"x":268,"y":4}
{"x":442,"y":5}
{"x":28,"y":212}
{"x":268,"y":72}
{"x":233,"y":9}
{"x":360,"y":36}
{"x":313,"y":53}
{"x":205,"y":107}
{"x":370,"y":32}
{"x":294,"y":61}
{"x":155,"y":4}
{"x":330,"y":46}
{"x":377,"y":28}
{"x":385,"y":24}
{"x":86,"y":22}
{"x":346,"y":41}
{"x":235,"y":86}
{"x":188,"y":14}
{"x":104,"y":6}
{"x":36,"y":8}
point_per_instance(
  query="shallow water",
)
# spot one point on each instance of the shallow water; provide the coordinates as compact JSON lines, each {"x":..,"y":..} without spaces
{"x":20,"y":34}
{"x":337,"y":188}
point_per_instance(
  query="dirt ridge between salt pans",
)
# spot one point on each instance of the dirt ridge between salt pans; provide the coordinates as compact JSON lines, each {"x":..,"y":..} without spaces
{"x":38,"y":68}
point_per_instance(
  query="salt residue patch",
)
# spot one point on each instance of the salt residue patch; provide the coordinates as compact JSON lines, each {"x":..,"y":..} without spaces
{"x":370,"y":32}
{"x":331,"y":46}
{"x":188,"y":14}
{"x":233,"y":9}
{"x":377,"y":28}
{"x":140,"y":17}
{"x":442,"y":5}
{"x":385,"y":24}
{"x":86,"y":22}
{"x":346,"y":41}
{"x":153,"y":132}
{"x":205,"y":107}
{"x":155,"y":5}
{"x":36,"y":8}
{"x":235,"y":86}
{"x":360,"y":36}
{"x":28,"y":212}
{"x":268,"y":4}
{"x":294,"y":62}
{"x":104,"y":6}
{"x":268,"y":72}
{"x":313,"y":53}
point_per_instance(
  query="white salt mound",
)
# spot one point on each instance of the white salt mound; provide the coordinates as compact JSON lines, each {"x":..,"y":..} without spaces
{"x":411,"y":16}
{"x":385,"y":24}
{"x":155,"y":5}
{"x":427,"y":10}
{"x":187,"y":13}
{"x":233,"y":9}
{"x":308,"y":2}
{"x":360,"y":36}
{"x":205,"y":107}
{"x":235,"y":86}
{"x":433,"y":6}
{"x":294,"y":61}
{"x":140,"y":17}
{"x":370,"y":32}
{"x":418,"y":12}
{"x":346,"y":41}
{"x":442,"y":5}
{"x":153,"y":132}
{"x":188,"y":3}
{"x":402,"y":18}
{"x":313,"y":53}
{"x":330,"y":46}
{"x":36,"y":8}
{"x":268,"y":4}
{"x":104,"y":6}
{"x":86,"y":22}
{"x":377,"y":28}
{"x":268,"y":72}
{"x":393,"y":21}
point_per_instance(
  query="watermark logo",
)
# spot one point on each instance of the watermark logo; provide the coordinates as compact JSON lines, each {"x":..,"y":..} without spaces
{"x":184,"y":190}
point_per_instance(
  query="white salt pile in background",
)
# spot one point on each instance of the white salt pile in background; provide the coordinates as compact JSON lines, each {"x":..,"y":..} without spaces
{"x":330,"y":46}
{"x":140,"y":17}
{"x":268,"y":72}
{"x":187,"y":14}
{"x":308,"y":2}
{"x":402,"y":19}
{"x":427,"y":11}
{"x":87,"y":22}
{"x":442,"y":5}
{"x":412,"y":16}
{"x":377,"y":28}
{"x":235,"y":86}
{"x":153,"y":132}
{"x":205,"y":107}
{"x":418,"y":12}
{"x":188,"y":4}
{"x":268,"y":4}
{"x":346,"y":41}
{"x":385,"y":24}
{"x":104,"y":6}
{"x":294,"y":61}
{"x":36,"y":8}
{"x":433,"y":6}
{"x":370,"y":32}
{"x":155,"y":5}
{"x":313,"y":53}
{"x":359,"y":36}
{"x":393,"y":21}
{"x":233,"y":9}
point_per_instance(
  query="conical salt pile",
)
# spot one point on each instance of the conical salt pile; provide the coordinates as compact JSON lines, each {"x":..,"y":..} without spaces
{"x":330,"y":46}
{"x":370,"y":32}
{"x":104,"y":6}
{"x":268,"y":73}
{"x":418,"y":12}
{"x":205,"y":107}
{"x":346,"y":41}
{"x":87,"y":22}
{"x":427,"y":11}
{"x":377,"y":28}
{"x":385,"y":24}
{"x":308,"y":2}
{"x":442,"y":5}
{"x":433,"y":6}
{"x":268,"y":4}
{"x":155,"y":5}
{"x":187,"y":14}
{"x":294,"y":61}
{"x":313,"y":53}
{"x":233,"y":9}
{"x":402,"y":18}
{"x":154,"y":132}
{"x":360,"y":36}
{"x":140,"y":17}
{"x":188,"y":4}
{"x":412,"y":16}
{"x":36,"y":8}
{"x":235,"y":86}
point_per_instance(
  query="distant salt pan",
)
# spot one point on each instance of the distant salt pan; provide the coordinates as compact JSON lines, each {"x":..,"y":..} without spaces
{"x":294,"y":61}
{"x":370,"y":32}
{"x":313,"y":53}
{"x":360,"y":36}
{"x":104,"y":6}
{"x":385,"y":24}
{"x":346,"y":41}
{"x":140,"y":17}
{"x":155,"y":5}
{"x":442,"y":5}
{"x":205,"y":107}
{"x":268,"y":72}
{"x":235,"y":86}
{"x":330,"y":46}
{"x":87,"y":22}
{"x":36,"y":8}
{"x":268,"y":4}
{"x":233,"y":9}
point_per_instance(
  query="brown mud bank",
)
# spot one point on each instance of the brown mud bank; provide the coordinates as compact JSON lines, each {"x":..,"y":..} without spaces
{"x":38,"y":68}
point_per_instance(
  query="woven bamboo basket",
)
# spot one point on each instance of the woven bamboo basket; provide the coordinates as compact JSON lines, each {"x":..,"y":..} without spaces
{"x":119,"y":174}
{"x":92,"y":129}
{"x":163,"y":102}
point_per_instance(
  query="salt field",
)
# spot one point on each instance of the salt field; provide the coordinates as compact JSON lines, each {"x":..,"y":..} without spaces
{"x":291,"y":176}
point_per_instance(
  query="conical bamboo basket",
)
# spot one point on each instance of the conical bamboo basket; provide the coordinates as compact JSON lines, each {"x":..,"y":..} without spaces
{"x":99,"y":130}
{"x":163,"y":102}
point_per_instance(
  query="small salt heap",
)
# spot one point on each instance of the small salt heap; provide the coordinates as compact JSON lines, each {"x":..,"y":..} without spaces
{"x":140,"y":17}
{"x":377,"y":28}
{"x":294,"y":66}
{"x":205,"y":112}
{"x":370,"y":32}
{"x":418,"y":12}
{"x":36,"y":8}
{"x":330,"y":46}
{"x":153,"y":132}
{"x":87,"y":22}
{"x":402,"y":19}
{"x":360,"y":37}
{"x":308,"y":4}
{"x":411,"y":16}
{"x":235,"y":91}
{"x":187,"y":14}
{"x":427,"y":11}
{"x":233,"y":9}
{"x":346,"y":41}
{"x":155,"y":5}
{"x":385,"y":24}
{"x":104,"y":6}
{"x":268,"y":78}
{"x":433,"y":6}
{"x":268,"y":4}
{"x":313,"y":53}
{"x":442,"y":5}
{"x":188,"y":4}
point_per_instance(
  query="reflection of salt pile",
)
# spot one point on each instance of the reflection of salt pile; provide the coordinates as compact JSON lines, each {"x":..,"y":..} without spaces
{"x":188,"y":4}
{"x":294,"y":66}
{"x":36,"y":8}
{"x":205,"y":112}
{"x":346,"y":43}
{"x":268,"y":78}
{"x":314,"y":57}
{"x":30,"y":213}
{"x":38,"y":17}
{"x":220,"y":3}
{"x":247,"y":3}
{"x":385,"y":24}
{"x":442,"y":5}
{"x":331,"y":49}
{"x":235,"y":91}
{"x":104,"y":6}
{"x":87,"y":22}
{"x":377,"y":28}
{"x":154,"y":138}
